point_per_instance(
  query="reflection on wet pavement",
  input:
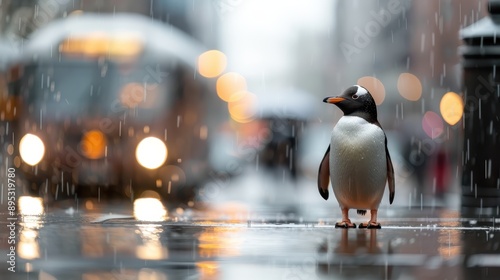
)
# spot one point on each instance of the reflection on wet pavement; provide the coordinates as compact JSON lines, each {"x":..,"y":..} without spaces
{"x":438,"y":244}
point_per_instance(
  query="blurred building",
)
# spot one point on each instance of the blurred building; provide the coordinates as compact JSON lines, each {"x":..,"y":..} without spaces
{"x":388,"y":37}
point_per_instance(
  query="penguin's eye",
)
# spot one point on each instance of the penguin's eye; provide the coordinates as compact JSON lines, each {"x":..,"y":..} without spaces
{"x":355,"y":96}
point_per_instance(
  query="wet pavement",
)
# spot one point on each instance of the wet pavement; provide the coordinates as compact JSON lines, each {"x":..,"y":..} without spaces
{"x":232,"y":242}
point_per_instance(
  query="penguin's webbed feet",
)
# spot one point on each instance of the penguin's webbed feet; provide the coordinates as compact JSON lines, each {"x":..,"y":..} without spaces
{"x":345,"y":224}
{"x":370,"y":225}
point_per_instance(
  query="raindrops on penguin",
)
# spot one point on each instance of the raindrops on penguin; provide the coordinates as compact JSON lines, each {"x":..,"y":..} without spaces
{"x":357,"y":163}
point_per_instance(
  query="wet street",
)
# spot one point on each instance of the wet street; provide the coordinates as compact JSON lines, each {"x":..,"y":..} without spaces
{"x":230,"y":242}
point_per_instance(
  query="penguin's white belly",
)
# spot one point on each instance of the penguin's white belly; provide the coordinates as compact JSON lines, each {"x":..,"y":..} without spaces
{"x":358,"y":168}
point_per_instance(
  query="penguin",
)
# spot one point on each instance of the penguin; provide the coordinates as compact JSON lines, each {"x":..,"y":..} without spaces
{"x":357,"y":160}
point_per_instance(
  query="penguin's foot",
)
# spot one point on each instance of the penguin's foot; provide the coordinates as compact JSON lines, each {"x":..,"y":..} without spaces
{"x":345,"y":224}
{"x":370,"y":225}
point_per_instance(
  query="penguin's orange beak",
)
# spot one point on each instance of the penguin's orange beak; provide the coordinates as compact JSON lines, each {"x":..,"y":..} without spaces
{"x":333,"y":100}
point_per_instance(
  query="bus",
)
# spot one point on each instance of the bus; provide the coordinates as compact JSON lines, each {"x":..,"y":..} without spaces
{"x":111,"y":106}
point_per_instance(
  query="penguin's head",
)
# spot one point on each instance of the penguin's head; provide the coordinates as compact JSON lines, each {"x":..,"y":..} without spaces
{"x":355,"y":101}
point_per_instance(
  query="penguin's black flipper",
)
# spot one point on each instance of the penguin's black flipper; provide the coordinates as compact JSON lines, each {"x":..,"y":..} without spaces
{"x":390,"y":174}
{"x":324,"y":175}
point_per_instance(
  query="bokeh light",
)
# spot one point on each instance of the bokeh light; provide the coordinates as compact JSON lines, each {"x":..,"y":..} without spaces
{"x":151,"y":152}
{"x":375,"y":87}
{"x":31,"y":149}
{"x":229,"y":84}
{"x":93,"y":144}
{"x":451,"y":107}
{"x":212,"y":63}
{"x":409,"y":86}
{"x":31,"y":206}
{"x":242,"y":106}
{"x":132,"y":94}
{"x":149,"y":210}
{"x":432,"y":124}
{"x":119,"y":45}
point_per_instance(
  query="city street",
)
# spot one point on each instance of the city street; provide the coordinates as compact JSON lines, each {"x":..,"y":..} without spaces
{"x":231,"y":243}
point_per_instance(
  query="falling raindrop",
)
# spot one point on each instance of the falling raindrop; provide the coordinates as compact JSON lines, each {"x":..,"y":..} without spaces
{"x":257,"y":162}
{"x":41,"y":118}
{"x":480,"y":113}
{"x":131,"y":191}
{"x":409,"y":201}
{"x":434,"y":185}
{"x":422,"y":43}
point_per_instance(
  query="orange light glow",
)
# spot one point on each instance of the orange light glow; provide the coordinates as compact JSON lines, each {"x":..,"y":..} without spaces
{"x":208,"y":269}
{"x":241,"y":106}
{"x":409,"y":86}
{"x":229,"y":84}
{"x":93,"y":144}
{"x":99,"y":43}
{"x":89,"y":205}
{"x":139,"y":95}
{"x":8,"y":106}
{"x":432,"y":124}
{"x":451,"y":108}
{"x":211,"y":63}
{"x":220,"y":242}
{"x":375,"y":87}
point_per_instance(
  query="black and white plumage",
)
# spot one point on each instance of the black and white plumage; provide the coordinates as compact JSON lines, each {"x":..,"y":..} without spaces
{"x":357,"y":161}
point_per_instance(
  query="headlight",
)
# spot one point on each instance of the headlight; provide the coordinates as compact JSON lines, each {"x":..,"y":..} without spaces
{"x":31,"y":149}
{"x":151,"y":152}
{"x":93,"y":144}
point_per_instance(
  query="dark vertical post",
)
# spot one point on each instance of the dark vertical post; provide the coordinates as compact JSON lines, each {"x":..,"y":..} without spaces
{"x":481,"y":86}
